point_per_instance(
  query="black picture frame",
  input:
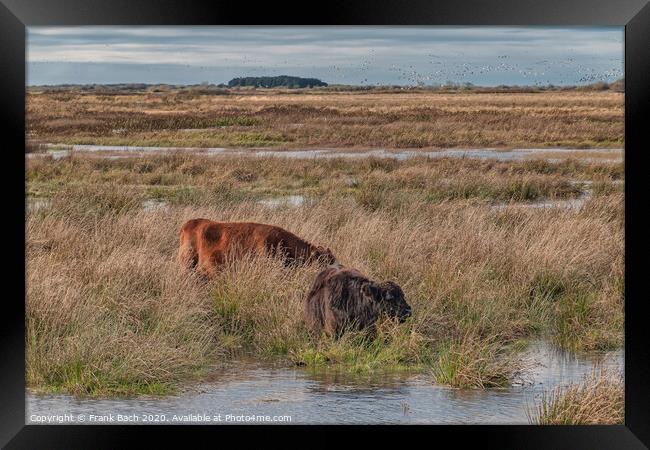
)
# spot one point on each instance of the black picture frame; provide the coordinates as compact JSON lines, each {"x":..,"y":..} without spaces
{"x":634,"y":15}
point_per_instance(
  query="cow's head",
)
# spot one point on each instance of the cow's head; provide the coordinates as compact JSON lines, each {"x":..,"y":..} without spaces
{"x":389,"y":298}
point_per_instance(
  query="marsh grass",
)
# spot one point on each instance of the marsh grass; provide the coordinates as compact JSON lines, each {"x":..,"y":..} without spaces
{"x":107,"y":316}
{"x":374,"y":182}
{"x":475,"y":362}
{"x":109,"y":312}
{"x":318,"y":118}
{"x":599,"y":399}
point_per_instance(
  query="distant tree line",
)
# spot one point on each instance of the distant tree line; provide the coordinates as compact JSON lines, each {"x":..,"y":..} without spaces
{"x":279,"y":81}
{"x":223,"y":89}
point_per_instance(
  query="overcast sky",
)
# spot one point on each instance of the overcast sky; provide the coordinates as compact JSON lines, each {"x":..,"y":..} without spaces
{"x":360,"y":55}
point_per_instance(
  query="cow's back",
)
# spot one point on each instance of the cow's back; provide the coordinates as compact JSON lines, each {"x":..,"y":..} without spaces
{"x":286,"y":244}
{"x":206,"y":244}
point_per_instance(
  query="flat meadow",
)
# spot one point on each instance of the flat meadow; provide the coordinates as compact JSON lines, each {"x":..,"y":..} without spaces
{"x":485,"y":269}
{"x":195,"y":117}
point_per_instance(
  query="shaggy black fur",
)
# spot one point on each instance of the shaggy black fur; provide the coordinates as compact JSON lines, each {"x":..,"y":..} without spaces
{"x":342,"y":298}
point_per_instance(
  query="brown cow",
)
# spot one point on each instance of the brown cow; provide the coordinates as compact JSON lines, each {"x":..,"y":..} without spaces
{"x":343,"y":298}
{"x":205,"y":244}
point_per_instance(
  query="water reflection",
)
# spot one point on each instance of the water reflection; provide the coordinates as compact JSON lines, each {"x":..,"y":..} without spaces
{"x":58,"y":151}
{"x":35,"y":204}
{"x":154,"y":205}
{"x":287,"y":200}
{"x":250,"y":388}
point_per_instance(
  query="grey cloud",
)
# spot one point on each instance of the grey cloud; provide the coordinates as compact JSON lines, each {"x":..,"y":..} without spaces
{"x":334,"y":54}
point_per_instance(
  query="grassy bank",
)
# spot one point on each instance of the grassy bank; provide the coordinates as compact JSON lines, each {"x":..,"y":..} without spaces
{"x":322,"y":118}
{"x":108,"y":311}
{"x":375,"y":183}
{"x":599,"y":399}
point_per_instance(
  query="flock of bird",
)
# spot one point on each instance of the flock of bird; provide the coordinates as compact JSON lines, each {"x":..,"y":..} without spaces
{"x":430,"y":69}
{"x":543,"y":72}
{"x":437,"y":69}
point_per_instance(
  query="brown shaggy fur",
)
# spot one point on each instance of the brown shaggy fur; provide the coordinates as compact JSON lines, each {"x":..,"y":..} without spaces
{"x":343,"y":298}
{"x":205,"y":244}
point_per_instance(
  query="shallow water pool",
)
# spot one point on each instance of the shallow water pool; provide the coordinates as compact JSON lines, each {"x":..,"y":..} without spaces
{"x":249,"y":392}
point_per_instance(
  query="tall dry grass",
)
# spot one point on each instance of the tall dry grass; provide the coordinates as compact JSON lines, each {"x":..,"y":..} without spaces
{"x":598,"y":400}
{"x":109,"y":312}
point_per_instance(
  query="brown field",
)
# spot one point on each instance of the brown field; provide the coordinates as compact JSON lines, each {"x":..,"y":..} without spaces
{"x":291,"y":119}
